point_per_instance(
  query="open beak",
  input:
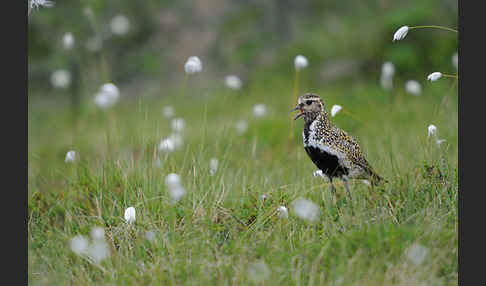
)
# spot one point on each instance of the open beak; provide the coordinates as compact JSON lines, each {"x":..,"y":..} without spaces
{"x":298,"y":107}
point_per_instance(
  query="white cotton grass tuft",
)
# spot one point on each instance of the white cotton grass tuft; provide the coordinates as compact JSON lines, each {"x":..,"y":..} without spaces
{"x":111,"y":89}
{"x":282,"y":212}
{"x":130,"y":215}
{"x":400,"y":33}
{"x":119,"y":25}
{"x":93,"y":44}
{"x":431,"y":130}
{"x":41,"y":3}
{"x":70,"y":156}
{"x":195,"y":59}
{"x":417,"y":253}
{"x":177,"y":193}
{"x":455,"y":60}
{"x":258,"y":271}
{"x":335,"y":109}
{"x":193,"y":65}
{"x":174,"y":186}
{"x":176,"y":138}
{"x":107,"y":95}
{"x":259,"y":110}
{"x":178,"y":124}
{"x":386,"y":78}
{"x":434,"y":76}
{"x":172,"y":180}
{"x":438,"y":142}
{"x":168,"y":111}
{"x":413,"y":87}
{"x":305,"y":209}
{"x":171,"y":143}
{"x":318,"y":173}
{"x":68,"y":41}
{"x":61,"y":79}
{"x":213,"y":166}
{"x":151,"y":235}
{"x":300,"y":62}
{"x":241,"y":126}
{"x":79,"y":244}
{"x":98,"y":251}
{"x":388,"y":69}
{"x":97,"y":233}
{"x":166,"y":145}
{"x":233,"y":82}
{"x":103,"y":101}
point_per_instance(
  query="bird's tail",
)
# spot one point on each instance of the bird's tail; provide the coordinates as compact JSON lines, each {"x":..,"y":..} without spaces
{"x":377,"y":180}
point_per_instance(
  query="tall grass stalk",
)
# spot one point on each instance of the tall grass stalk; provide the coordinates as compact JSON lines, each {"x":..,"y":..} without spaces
{"x":434,"y":27}
{"x":295,"y":96}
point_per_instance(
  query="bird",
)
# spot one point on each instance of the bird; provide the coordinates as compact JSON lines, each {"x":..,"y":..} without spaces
{"x":331,"y":149}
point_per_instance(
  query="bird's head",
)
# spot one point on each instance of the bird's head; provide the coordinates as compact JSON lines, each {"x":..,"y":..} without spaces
{"x":309,"y":106}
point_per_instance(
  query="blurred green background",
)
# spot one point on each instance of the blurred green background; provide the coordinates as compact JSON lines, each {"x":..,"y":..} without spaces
{"x":346,"y":42}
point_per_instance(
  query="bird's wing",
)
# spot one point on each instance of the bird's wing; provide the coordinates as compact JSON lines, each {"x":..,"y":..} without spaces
{"x":351,"y":148}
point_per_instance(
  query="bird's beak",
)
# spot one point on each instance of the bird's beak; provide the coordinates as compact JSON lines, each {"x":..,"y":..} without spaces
{"x":298,"y":107}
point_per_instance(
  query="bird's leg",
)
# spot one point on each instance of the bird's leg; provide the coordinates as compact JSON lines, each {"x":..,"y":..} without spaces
{"x":345,"y":180}
{"x":347,"y":189}
{"x":333,"y":189}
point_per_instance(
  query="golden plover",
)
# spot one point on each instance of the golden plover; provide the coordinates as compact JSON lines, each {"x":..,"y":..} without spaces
{"x":332,"y":150}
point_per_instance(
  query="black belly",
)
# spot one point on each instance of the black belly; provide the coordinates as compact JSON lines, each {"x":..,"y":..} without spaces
{"x":327,"y":163}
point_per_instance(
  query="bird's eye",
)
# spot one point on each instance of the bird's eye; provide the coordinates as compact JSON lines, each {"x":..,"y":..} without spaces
{"x":308,"y":102}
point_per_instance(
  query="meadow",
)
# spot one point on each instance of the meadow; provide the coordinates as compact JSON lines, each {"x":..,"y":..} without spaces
{"x":226,"y":229}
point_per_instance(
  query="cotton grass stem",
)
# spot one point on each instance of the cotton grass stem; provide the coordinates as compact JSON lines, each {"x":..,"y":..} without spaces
{"x":434,"y":27}
{"x":296,"y":86}
{"x":450,"y":75}
{"x":294,"y":101}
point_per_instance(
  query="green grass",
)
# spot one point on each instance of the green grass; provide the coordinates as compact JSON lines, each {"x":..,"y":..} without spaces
{"x":222,"y":226}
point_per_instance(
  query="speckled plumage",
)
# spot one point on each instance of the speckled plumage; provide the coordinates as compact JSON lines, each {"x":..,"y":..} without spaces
{"x":331,"y":149}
